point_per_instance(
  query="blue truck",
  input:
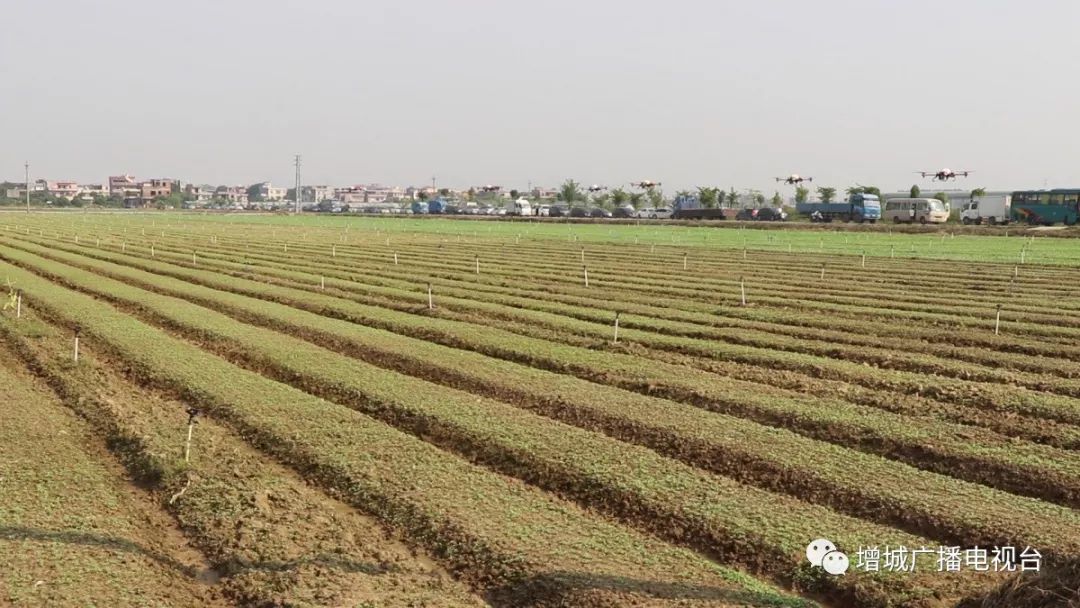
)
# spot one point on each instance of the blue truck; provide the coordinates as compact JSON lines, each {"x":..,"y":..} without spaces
{"x":419,"y":207}
{"x":436,"y":206}
{"x":860,"y":208}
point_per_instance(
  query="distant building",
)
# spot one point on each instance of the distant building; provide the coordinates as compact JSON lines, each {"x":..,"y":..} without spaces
{"x":316,"y":194}
{"x":270,"y":193}
{"x":123,"y":186}
{"x":63,"y":189}
{"x":155,"y":188}
{"x":232,"y":194}
{"x":198,"y":194}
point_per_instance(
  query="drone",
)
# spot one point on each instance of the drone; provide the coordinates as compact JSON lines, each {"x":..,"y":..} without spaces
{"x":490,"y":188}
{"x":646,"y":184}
{"x":596,"y":188}
{"x":794,"y":179}
{"x":944,"y":174}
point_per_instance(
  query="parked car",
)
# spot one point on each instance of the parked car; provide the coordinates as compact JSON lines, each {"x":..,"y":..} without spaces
{"x":662,"y":213}
{"x":624,"y":211}
{"x":599,"y":212}
{"x":578,"y":212}
{"x":543,"y":210}
{"x":771,"y":214}
{"x":646,"y":212}
{"x":557,"y":211}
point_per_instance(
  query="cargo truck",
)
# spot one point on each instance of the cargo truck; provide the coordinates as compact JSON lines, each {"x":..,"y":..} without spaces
{"x":860,"y":208}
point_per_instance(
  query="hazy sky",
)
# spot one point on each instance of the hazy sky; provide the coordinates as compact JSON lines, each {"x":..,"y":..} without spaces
{"x":507,"y":92}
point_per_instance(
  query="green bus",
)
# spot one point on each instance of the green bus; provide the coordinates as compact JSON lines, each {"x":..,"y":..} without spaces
{"x":1046,"y":207}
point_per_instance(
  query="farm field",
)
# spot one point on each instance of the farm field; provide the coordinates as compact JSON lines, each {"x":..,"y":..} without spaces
{"x":403,"y":412}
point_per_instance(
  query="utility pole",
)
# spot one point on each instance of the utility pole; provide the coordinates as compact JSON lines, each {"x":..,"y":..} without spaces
{"x":27,"y":167}
{"x":297,"y":194}
{"x":433,"y":190}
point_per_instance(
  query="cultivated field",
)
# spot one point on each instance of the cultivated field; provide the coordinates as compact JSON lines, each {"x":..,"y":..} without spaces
{"x":431,"y":412}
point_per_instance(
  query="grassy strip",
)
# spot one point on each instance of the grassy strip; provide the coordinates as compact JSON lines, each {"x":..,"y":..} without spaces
{"x":959,"y":451}
{"x":978,"y":402}
{"x":759,"y":530}
{"x":860,"y":484}
{"x":273,"y":538}
{"x":68,"y":532}
{"x":520,"y":545}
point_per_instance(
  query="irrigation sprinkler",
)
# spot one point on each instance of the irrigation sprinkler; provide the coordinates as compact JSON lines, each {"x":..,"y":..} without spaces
{"x":585,"y":270}
{"x":742,"y":288}
{"x":430,"y":298}
{"x":997,"y":321}
{"x":78,"y":330}
{"x":192,"y":414}
{"x":616,"y":338}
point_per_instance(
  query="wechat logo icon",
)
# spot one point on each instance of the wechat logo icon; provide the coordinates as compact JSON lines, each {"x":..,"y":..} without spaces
{"x":822,"y":553}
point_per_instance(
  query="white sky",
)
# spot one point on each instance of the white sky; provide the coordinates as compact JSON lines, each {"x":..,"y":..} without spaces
{"x":507,"y":92}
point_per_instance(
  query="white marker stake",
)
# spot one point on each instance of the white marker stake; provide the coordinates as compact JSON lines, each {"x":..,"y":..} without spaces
{"x":823,"y":272}
{"x":152,"y":254}
{"x":864,"y":259}
{"x":997,"y":321}
{"x":194,"y":262}
{"x":333,"y":251}
{"x":892,"y":251}
{"x":123,"y":247}
{"x":1016,"y":271}
{"x":322,"y":282}
{"x":430,"y":299}
{"x":582,"y":255}
{"x":18,"y":305}
{"x":616,"y":340}
{"x":76,"y":239}
{"x":744,"y":253}
{"x":477,"y":264}
{"x":1023,"y":252}
{"x":585,"y":269}
{"x":76,"y":346}
{"x":395,"y":259}
{"x":684,"y":261}
{"x":742,"y":288}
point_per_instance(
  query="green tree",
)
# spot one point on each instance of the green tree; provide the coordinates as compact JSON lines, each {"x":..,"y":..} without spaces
{"x":732,"y":198}
{"x":570,"y":192}
{"x":422,"y":195}
{"x":943,"y":197}
{"x":636,"y":199}
{"x":759,"y":198}
{"x":444,"y":192}
{"x":709,"y":197}
{"x":777,"y":200}
{"x":514,"y":194}
{"x":802,"y":194}
{"x":977,"y":192}
{"x":827,"y":194}
{"x":655,"y":196}
{"x":915,"y":191}
{"x":620,"y":197}
{"x":253,"y":193}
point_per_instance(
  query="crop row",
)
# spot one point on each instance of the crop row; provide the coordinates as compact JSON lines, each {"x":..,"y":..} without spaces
{"x":977,"y":396}
{"x":511,"y":540}
{"x":863,"y":485}
{"x":960,"y":451}
{"x":247,"y":514}
{"x":759,"y":530}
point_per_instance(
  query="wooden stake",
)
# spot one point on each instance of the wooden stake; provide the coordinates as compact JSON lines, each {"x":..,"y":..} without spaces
{"x":395,"y":259}
{"x":585,"y":269}
{"x":430,"y":298}
{"x":742,"y":288}
{"x":616,"y":340}
{"x":997,"y":321}
{"x":477,"y":264}
{"x":582,"y":255}
{"x":1016,"y":271}
{"x":322,"y":282}
{"x":18,"y":305}
{"x":194,"y":262}
{"x":822,"y":271}
{"x":152,"y":251}
{"x":77,"y":331}
{"x":684,"y":255}
{"x":864,"y":259}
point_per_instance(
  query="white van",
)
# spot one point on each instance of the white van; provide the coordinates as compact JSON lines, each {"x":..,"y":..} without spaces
{"x":992,"y":209}
{"x":520,"y":207}
{"x":911,"y":210}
